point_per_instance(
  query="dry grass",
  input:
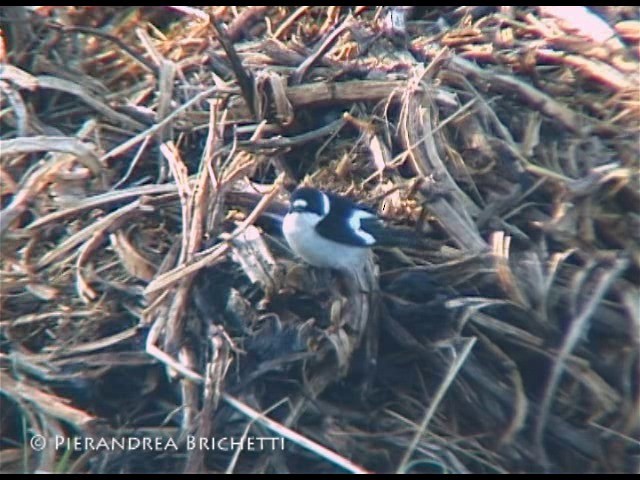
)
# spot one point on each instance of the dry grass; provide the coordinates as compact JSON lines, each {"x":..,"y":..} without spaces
{"x":146,"y":291}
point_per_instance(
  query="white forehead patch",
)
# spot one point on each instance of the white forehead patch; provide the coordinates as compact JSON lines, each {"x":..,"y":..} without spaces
{"x":354,"y":222}
{"x":300,"y":203}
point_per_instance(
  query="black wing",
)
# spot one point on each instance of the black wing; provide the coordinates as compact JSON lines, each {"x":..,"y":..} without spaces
{"x":336,"y":226}
{"x":371,"y":232}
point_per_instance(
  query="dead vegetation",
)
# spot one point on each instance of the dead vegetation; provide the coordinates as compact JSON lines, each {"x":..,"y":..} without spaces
{"x":146,"y":290}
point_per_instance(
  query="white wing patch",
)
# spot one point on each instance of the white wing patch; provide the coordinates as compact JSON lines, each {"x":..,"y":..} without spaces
{"x":326,"y":204}
{"x":355,"y":223}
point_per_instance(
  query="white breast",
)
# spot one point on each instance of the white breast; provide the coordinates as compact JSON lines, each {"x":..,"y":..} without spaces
{"x":299,"y":230}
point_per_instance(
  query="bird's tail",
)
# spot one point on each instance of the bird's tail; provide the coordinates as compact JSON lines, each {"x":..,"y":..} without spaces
{"x":401,"y":237}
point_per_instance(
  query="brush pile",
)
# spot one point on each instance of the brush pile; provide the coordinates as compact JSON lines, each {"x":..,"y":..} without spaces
{"x":153,"y":319}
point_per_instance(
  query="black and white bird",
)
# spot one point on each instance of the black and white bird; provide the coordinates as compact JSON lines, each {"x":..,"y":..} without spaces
{"x":330,"y":231}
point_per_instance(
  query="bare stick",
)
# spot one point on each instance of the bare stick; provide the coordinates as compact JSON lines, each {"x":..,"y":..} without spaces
{"x":444,"y":387}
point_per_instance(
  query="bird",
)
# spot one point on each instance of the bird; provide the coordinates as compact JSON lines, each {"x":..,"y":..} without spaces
{"x":330,"y":231}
